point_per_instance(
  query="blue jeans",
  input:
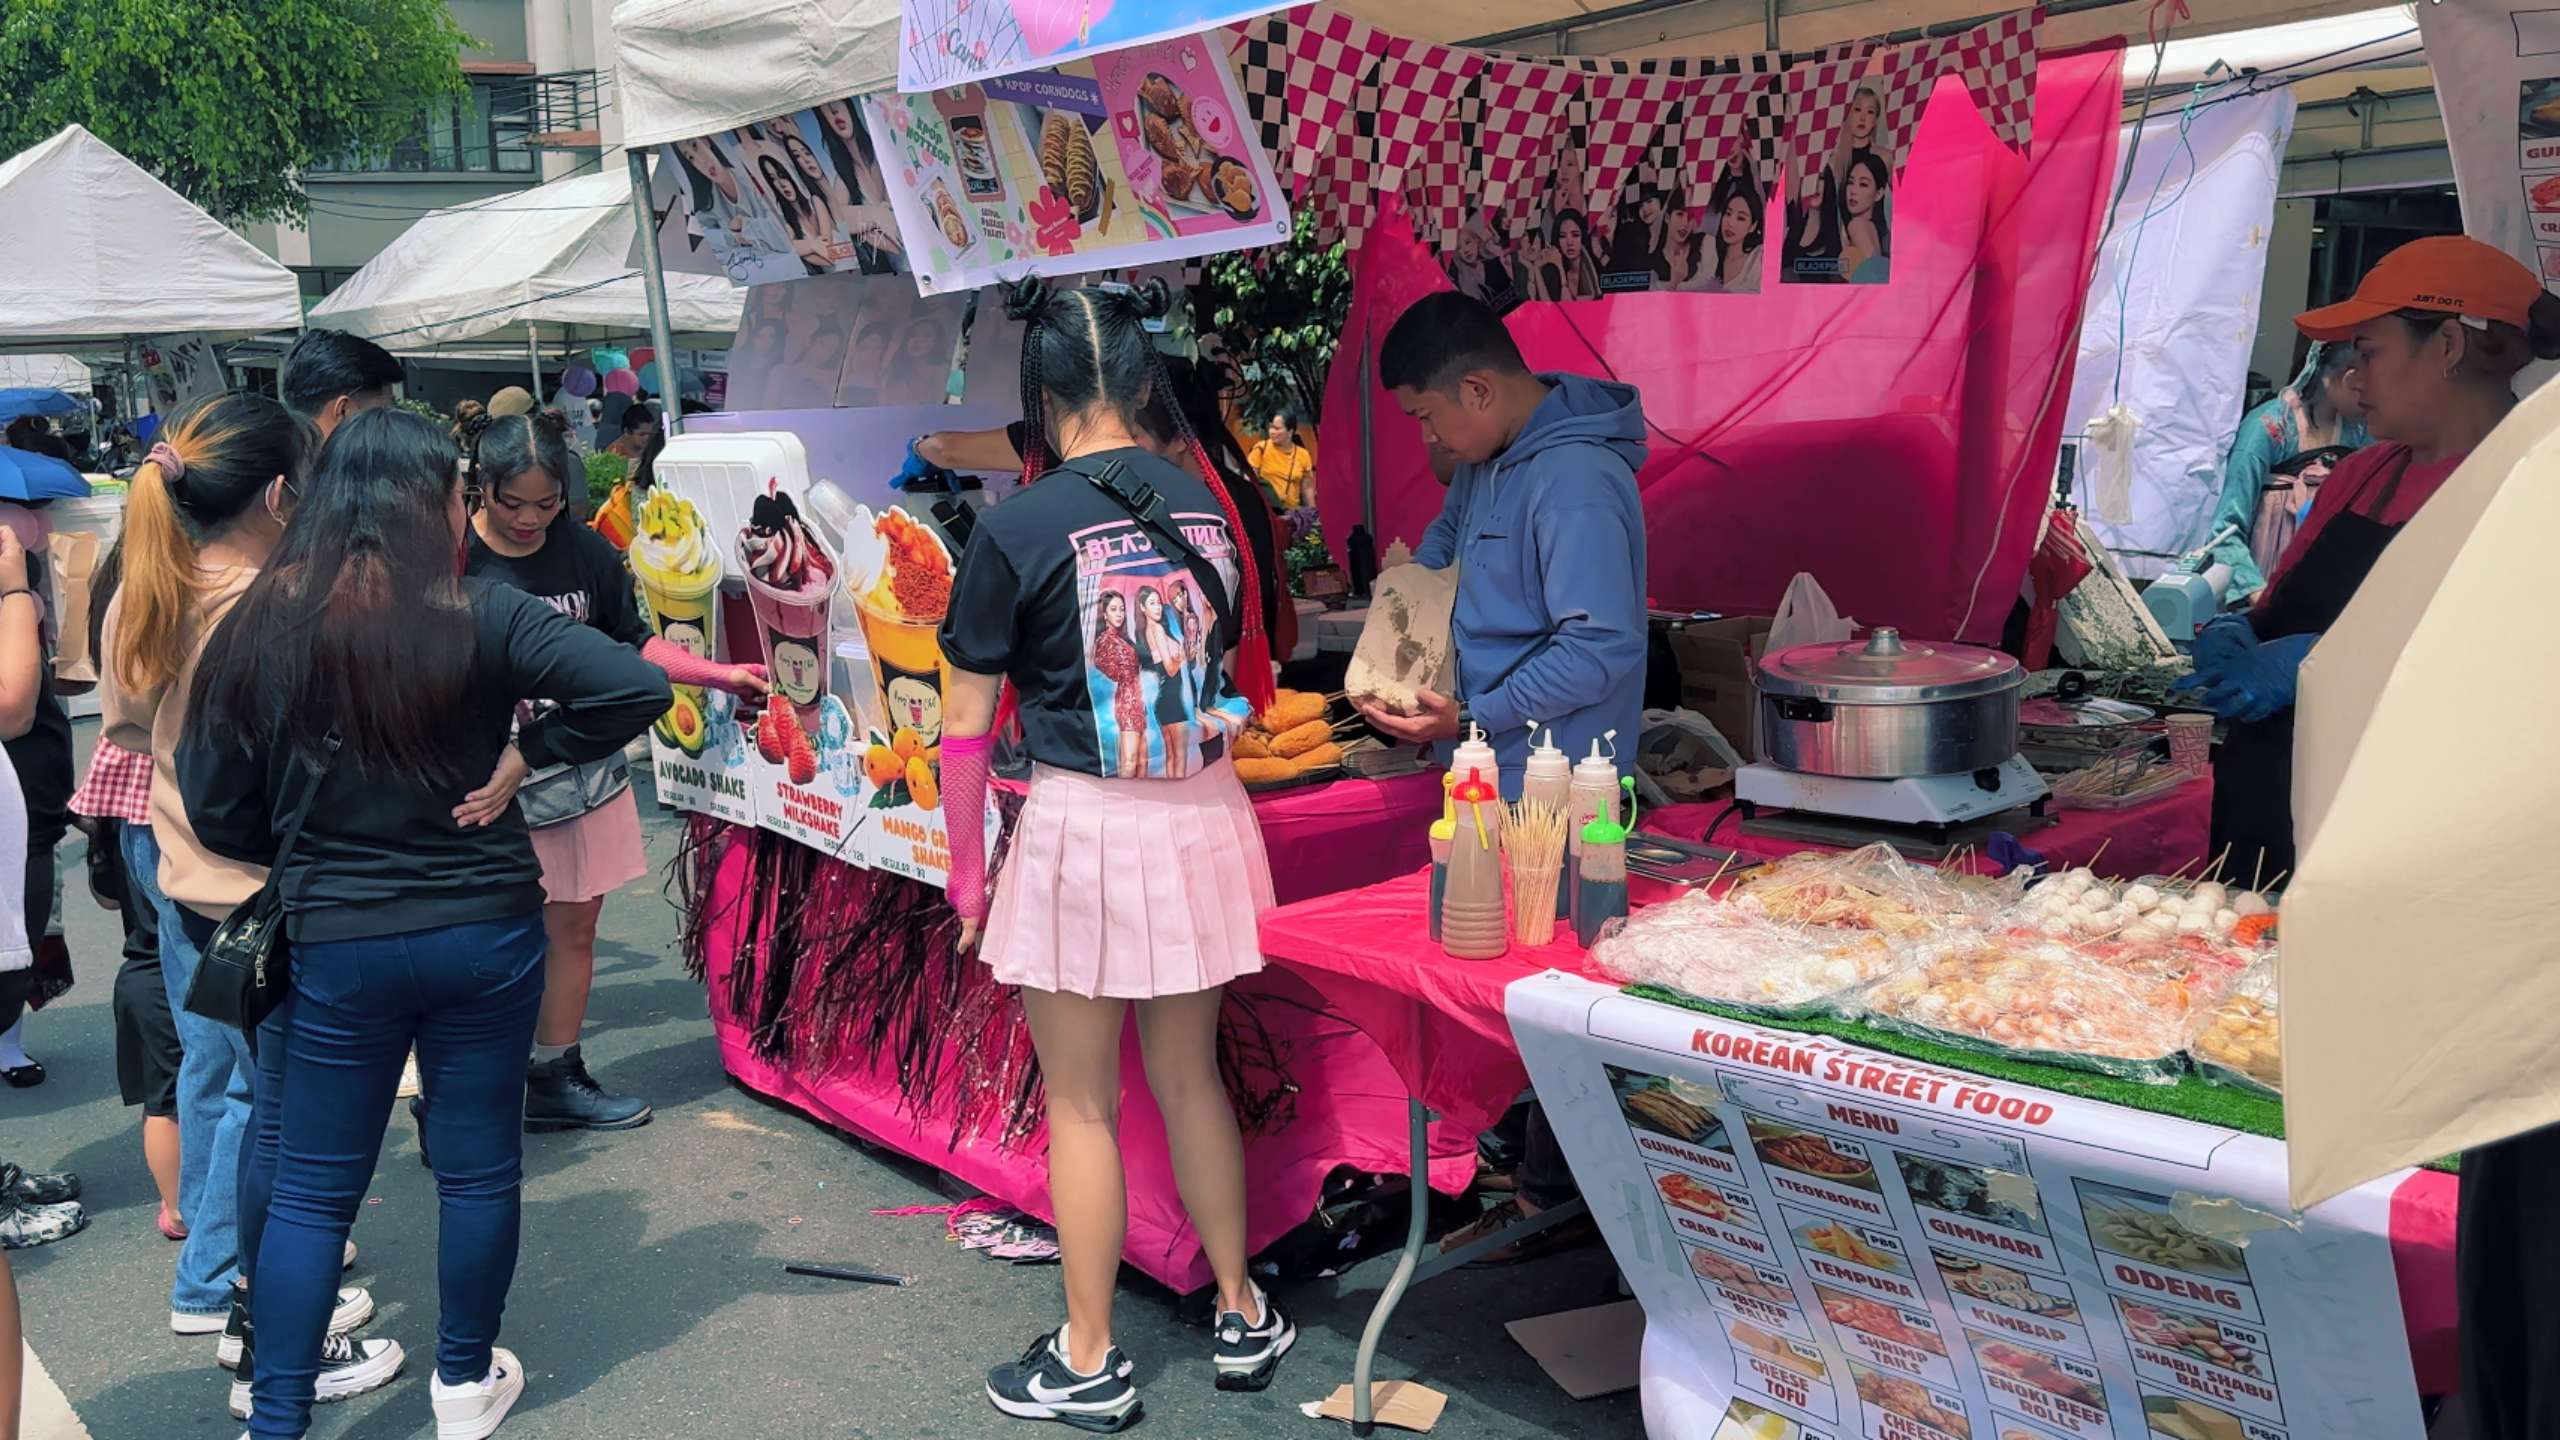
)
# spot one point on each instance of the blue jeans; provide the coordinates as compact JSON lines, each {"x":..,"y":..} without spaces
{"x":213,"y":1105}
{"x":466,"y":996}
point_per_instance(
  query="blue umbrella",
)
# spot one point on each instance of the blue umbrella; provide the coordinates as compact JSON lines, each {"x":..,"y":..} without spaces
{"x":20,"y":400}
{"x":28,"y":476}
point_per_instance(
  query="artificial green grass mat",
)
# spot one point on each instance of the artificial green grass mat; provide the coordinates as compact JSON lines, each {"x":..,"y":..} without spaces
{"x":2192,"y":1098}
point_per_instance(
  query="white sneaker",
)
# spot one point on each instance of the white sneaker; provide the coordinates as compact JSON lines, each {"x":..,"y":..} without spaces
{"x":474,"y":1411}
{"x":348,"y":1368}
{"x":184,"y":1322}
{"x":354,"y":1308}
{"x":347,"y":1261}
{"x":410,"y":1086}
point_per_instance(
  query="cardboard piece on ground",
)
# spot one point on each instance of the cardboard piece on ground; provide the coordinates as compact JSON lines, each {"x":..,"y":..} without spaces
{"x":1591,"y":1352}
{"x":1404,"y":1404}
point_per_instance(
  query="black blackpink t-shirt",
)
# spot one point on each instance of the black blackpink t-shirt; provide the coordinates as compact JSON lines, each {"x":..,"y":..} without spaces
{"x":576,"y":572}
{"x":1115,"y":655}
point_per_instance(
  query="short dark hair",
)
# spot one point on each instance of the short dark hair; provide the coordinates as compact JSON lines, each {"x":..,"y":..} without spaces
{"x":637,"y":416}
{"x":1441,"y":337}
{"x":325,"y":364}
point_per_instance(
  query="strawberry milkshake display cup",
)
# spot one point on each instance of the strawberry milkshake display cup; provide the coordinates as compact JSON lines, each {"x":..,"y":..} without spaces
{"x":791,"y":580}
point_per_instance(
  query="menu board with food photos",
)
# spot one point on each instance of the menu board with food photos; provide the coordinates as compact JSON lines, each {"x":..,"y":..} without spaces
{"x":1847,"y":1243}
{"x":1130,"y":158}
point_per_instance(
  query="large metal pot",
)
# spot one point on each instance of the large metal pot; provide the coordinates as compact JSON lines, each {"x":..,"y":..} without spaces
{"x":1878,"y":709}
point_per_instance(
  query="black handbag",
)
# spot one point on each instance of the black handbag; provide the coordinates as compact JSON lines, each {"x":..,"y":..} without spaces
{"x":242,"y":975}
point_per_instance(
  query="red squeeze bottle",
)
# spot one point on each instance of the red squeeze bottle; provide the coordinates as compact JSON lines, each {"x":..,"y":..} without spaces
{"x":1473,"y":925}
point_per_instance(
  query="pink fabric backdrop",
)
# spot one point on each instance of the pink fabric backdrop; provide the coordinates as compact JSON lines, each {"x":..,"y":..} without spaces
{"x":1898,"y":440}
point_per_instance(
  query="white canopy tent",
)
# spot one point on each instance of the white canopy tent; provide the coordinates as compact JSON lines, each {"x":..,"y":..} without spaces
{"x":550,"y":263}
{"x":100,"y":251}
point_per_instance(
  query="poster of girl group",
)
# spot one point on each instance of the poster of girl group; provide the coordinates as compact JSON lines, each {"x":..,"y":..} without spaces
{"x":1829,"y":221}
{"x":1129,"y":158}
{"x":781,"y":199}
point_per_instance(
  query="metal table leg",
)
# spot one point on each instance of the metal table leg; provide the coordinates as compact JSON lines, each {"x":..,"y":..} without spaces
{"x":1363,"y":1419}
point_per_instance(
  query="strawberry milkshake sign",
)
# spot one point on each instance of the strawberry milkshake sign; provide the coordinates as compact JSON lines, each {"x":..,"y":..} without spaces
{"x":791,"y":579}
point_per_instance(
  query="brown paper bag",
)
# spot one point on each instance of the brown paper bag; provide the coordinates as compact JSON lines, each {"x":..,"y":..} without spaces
{"x":1404,"y":644}
{"x":74,"y":562}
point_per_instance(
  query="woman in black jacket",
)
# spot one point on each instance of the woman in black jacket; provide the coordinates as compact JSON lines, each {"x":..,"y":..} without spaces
{"x":363,"y":678}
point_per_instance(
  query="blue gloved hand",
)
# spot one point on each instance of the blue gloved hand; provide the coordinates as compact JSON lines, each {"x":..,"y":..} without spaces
{"x":916,"y":468}
{"x":2222,"y":638}
{"x":2257,"y":684}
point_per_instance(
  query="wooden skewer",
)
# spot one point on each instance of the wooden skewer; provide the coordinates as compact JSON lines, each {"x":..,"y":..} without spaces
{"x":1710,"y":886}
{"x":2257,"y":870}
{"x":2181,"y":870}
{"x":2278,"y":880}
{"x":2100,"y":854}
{"x":2216,"y":872}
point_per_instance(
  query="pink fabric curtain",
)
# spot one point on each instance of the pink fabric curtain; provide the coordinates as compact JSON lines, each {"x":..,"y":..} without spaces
{"x":1897,"y":441}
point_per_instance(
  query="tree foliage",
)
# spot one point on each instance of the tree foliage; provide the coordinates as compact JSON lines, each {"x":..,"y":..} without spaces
{"x":1280,"y":311}
{"x":226,"y":101}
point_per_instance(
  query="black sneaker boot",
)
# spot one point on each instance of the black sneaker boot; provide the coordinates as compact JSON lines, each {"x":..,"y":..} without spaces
{"x":561,"y":1095}
{"x":1042,"y":1385}
{"x":1249,"y":1350}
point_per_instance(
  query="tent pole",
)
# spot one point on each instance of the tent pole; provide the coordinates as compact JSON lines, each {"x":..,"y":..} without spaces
{"x":653,"y":280}
{"x":533,"y":356}
{"x":1771,"y":23}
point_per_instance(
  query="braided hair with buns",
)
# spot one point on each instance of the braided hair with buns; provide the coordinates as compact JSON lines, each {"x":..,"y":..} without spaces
{"x":1089,"y":347}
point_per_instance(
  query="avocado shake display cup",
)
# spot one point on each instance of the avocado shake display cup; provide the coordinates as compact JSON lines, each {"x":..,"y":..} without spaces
{"x":678,"y":565}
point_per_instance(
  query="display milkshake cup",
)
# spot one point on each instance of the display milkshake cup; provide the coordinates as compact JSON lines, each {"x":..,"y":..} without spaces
{"x":791,"y":578}
{"x":902,"y":607}
{"x":678,"y":566}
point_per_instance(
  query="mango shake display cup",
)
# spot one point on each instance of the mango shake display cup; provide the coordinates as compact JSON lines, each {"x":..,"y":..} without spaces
{"x":790,"y":581}
{"x":679,"y":569}
{"x":902,"y":609}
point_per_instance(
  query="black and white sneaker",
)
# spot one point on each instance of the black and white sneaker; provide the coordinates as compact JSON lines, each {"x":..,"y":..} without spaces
{"x":1249,"y":1350}
{"x":348,"y":1367}
{"x":354,"y":1308}
{"x":1043,"y":1386}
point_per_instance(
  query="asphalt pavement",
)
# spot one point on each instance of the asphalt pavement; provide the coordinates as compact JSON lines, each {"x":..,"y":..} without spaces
{"x":650,"y":1300}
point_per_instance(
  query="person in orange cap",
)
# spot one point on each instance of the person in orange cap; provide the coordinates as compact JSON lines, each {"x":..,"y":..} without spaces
{"x":2440,"y":327}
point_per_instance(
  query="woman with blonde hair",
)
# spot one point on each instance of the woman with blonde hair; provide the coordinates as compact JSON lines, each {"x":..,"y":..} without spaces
{"x":202,"y":514}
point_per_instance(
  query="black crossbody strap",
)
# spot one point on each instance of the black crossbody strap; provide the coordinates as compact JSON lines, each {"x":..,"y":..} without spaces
{"x":1147,"y":507}
{"x":308,"y":797}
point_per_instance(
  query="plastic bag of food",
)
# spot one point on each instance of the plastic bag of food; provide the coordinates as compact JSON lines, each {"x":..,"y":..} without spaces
{"x":2029,"y":998}
{"x":1730,"y":955}
{"x":2234,"y":1039}
{"x":1875,"y":889}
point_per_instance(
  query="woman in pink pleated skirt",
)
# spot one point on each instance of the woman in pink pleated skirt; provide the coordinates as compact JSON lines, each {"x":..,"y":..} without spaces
{"x":1136,"y":872}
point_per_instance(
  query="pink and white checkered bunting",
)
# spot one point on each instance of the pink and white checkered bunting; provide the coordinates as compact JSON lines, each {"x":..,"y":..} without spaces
{"x":1419,"y":84}
{"x":1816,"y":106}
{"x":1626,"y":114}
{"x":1717,"y":122}
{"x":1439,"y":177}
{"x":1331,"y":56}
{"x":1523,"y":107}
{"x":1908,"y":75}
{"x":1998,"y":61}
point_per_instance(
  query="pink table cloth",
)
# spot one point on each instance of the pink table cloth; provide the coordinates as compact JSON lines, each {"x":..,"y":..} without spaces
{"x":1349,"y":1109}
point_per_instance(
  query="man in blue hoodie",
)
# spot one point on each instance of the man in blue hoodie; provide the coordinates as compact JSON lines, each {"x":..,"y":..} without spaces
{"x":1543,"y":522}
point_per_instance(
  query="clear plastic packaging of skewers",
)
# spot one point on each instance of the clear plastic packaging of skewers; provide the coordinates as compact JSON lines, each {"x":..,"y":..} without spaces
{"x":2235,"y":1039}
{"x":1875,"y":889}
{"x":1730,"y":954}
{"x":2022,"y":995}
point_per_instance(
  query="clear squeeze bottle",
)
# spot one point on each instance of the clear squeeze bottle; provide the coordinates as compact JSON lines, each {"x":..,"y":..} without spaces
{"x":1600,"y":880}
{"x":1443,"y":831}
{"x":1549,"y":781}
{"x":1594,"y":789}
{"x":1472,"y":923}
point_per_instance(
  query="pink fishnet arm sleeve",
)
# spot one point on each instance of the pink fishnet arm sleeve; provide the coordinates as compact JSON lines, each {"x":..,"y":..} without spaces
{"x":683,"y":667}
{"x":964,"y":810}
